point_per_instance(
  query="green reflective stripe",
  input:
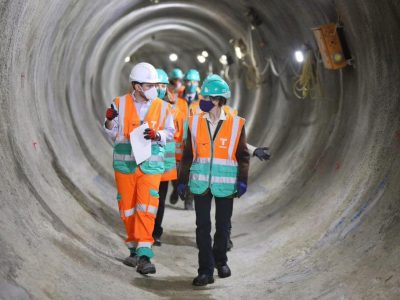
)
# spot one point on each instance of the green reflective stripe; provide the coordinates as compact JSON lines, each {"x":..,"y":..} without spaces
{"x":125,"y":167}
{"x":224,"y":171}
{"x":154,"y":193}
{"x":170,"y":147}
{"x":223,"y":190}
{"x":169,"y":164}
{"x":185,"y":128}
{"x":144,"y":249}
{"x":169,"y":168}
{"x":200,"y":169}
{"x":170,"y":155}
{"x":119,"y":197}
{"x":123,"y":148}
{"x":178,"y":151}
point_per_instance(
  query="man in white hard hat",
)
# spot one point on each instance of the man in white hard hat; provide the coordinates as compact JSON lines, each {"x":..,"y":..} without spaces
{"x":138,"y":185}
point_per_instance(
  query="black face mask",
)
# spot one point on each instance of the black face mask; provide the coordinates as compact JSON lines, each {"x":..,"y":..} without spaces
{"x":206,"y":106}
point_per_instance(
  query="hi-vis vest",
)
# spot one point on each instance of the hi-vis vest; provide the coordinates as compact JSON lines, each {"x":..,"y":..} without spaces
{"x":182,"y":122}
{"x":214,"y":162}
{"x":195,"y":109}
{"x":174,"y":147}
{"x":128,"y":118}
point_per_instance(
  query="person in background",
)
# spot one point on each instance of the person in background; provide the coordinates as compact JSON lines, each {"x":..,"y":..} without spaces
{"x":173,"y":148}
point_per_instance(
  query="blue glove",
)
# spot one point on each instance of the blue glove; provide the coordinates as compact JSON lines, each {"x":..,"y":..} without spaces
{"x":182,"y":189}
{"x":241,"y":188}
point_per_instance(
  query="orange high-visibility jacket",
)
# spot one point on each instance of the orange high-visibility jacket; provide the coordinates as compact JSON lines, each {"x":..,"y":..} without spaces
{"x":174,"y":149}
{"x":214,"y":161}
{"x":128,"y":118}
{"x":181,"y":122}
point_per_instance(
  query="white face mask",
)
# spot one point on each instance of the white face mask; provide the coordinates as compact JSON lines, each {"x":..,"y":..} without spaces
{"x":150,"y":94}
{"x":178,"y":85}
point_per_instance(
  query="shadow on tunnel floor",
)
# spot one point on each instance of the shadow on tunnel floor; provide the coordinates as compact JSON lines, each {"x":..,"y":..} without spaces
{"x":176,"y":287}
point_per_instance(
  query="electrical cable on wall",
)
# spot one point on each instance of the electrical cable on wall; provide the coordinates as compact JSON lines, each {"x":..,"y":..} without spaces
{"x":308,"y":84}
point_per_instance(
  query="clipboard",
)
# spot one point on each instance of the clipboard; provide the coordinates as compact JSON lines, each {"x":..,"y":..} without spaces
{"x":141,"y":148}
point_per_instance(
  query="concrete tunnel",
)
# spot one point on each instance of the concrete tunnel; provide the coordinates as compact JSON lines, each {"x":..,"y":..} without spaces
{"x":321,"y":219}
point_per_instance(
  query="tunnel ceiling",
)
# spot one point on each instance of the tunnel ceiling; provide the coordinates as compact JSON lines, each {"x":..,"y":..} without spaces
{"x":320,"y":220}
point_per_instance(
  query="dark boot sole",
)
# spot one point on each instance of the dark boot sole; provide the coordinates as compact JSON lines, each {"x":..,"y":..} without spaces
{"x":147,"y":270}
{"x":130,"y":262}
{"x":210,"y":281}
{"x":224,"y":275}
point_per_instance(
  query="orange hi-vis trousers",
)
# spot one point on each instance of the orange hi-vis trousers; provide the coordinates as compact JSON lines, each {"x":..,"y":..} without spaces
{"x":138,"y":204}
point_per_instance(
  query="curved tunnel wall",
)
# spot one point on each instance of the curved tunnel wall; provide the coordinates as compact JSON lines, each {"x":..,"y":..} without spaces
{"x":320,"y":219}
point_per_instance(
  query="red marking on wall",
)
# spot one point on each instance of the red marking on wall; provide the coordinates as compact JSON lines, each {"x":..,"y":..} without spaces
{"x":338,"y":166}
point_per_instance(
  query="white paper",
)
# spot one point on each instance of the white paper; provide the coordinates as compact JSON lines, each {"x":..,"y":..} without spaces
{"x":141,"y":148}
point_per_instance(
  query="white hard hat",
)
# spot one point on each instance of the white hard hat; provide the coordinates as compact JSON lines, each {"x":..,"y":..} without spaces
{"x":144,"y":73}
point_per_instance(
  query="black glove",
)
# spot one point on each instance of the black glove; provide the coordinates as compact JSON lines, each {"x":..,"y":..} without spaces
{"x":262,"y":153}
{"x":151,"y":134}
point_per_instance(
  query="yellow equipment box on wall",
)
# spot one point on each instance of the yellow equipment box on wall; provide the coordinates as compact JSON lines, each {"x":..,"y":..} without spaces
{"x":329,"y":46}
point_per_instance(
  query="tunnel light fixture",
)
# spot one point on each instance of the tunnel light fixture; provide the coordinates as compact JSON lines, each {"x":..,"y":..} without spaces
{"x":204,"y":53}
{"x":173,"y":57}
{"x":127,"y":59}
{"x":201,"y":59}
{"x":240,"y":48}
{"x":223,"y":59}
{"x":238,"y":52}
{"x":299,"y":56}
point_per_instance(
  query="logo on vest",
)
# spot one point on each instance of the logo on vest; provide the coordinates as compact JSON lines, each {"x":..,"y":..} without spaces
{"x":153,"y":123}
{"x":223,"y":142}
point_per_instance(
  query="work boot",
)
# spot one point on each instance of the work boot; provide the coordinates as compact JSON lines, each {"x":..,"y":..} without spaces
{"x":131,"y":260}
{"x":189,"y":204}
{"x":203,"y":279}
{"x":157,"y":241}
{"x":145,"y":266}
{"x":223,"y":270}
{"x":174,"y":197}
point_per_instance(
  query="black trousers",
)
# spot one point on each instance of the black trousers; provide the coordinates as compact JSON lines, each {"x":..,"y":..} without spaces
{"x":209,"y":256}
{"x":163,"y":190}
